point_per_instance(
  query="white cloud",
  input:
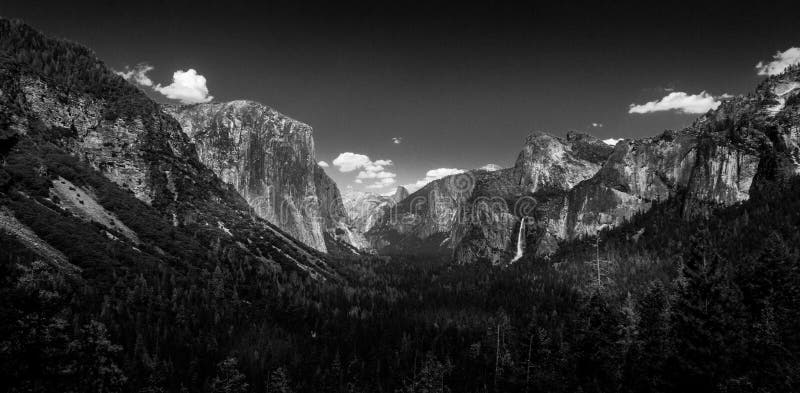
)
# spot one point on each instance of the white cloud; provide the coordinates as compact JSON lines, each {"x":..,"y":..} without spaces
{"x":781,"y":60}
{"x":369,"y":170}
{"x":323,"y":164}
{"x":431,"y":175}
{"x":612,"y":141}
{"x":374,"y":175}
{"x":679,"y":101}
{"x":137,"y":74}
{"x":491,"y":167}
{"x":597,"y":125}
{"x":397,"y":140}
{"x":377,"y":166}
{"x":348,"y":162}
{"x":382,"y":183}
{"x":188,"y":87}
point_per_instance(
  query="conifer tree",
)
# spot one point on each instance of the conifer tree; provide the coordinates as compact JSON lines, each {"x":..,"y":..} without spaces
{"x":279,"y":381}
{"x":707,"y":321}
{"x":229,"y":379}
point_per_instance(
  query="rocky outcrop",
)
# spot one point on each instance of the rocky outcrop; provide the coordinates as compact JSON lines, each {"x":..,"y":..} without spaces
{"x":267,"y":157}
{"x":432,"y":219}
{"x":551,"y":164}
{"x":717,"y":161}
{"x":726,"y":155}
{"x":83,"y":108}
{"x":365,"y":209}
{"x":710,"y":170}
{"x":331,"y":207}
{"x":546,"y":169}
{"x":477,"y":215}
{"x":399,"y":194}
{"x":10,"y":226}
{"x":81,"y":203}
{"x":340,"y":233}
{"x":565,"y":188}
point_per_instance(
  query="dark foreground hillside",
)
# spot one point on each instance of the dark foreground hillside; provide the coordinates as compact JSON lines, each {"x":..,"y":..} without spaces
{"x":719,"y":314}
{"x":102,"y":291}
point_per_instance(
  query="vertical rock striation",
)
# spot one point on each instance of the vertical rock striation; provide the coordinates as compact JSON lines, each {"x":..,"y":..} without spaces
{"x":340,"y":233}
{"x":269,"y":159}
{"x":72,"y":103}
{"x":565,"y":188}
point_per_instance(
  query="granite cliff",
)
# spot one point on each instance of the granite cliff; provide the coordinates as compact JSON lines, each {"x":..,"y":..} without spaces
{"x":269,"y":159}
{"x":565,"y":188}
{"x":477,"y":214}
{"x":70,"y":125}
{"x":341,"y":235}
{"x":364,"y":209}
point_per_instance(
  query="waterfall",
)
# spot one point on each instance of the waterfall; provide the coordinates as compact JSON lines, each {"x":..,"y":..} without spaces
{"x":520,"y":240}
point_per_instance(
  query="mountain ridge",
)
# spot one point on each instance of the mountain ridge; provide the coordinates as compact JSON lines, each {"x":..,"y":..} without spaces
{"x":575,"y":185}
{"x":57,"y":94}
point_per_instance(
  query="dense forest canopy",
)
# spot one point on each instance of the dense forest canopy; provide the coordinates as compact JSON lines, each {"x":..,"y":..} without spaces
{"x":660,"y":304}
{"x":721,"y":315}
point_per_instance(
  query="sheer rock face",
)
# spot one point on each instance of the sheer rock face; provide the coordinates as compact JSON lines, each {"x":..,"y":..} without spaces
{"x":331,"y":208}
{"x":127,"y":138}
{"x":400,"y":193}
{"x":269,"y":159}
{"x":487,"y":225}
{"x":435,"y":218}
{"x":336,"y":221}
{"x":717,"y":161}
{"x":710,"y":170}
{"x":476,"y":215}
{"x":574,"y":186}
{"x":366,"y":209}
{"x":150,"y":155}
{"x":547,"y":168}
{"x":551,"y":164}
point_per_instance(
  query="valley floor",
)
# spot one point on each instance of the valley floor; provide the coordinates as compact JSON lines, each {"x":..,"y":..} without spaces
{"x":709,"y":305}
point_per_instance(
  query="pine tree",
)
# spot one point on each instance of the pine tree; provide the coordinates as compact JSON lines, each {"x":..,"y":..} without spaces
{"x":229,"y":379}
{"x":598,"y":359}
{"x":333,"y":376}
{"x":430,"y":378}
{"x":707,"y":321}
{"x":279,"y":381}
{"x":97,"y":369}
{"x":644,"y":369}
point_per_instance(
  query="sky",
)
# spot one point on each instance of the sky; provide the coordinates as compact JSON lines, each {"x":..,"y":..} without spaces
{"x":404,"y":92}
